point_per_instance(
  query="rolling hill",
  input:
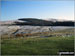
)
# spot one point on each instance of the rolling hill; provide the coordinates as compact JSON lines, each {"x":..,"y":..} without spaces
{"x":37,"y":22}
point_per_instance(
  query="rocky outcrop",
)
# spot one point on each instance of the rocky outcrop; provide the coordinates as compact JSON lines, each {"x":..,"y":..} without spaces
{"x":28,"y":29}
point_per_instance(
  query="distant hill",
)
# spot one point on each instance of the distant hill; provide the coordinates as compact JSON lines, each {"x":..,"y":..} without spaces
{"x":37,"y":22}
{"x":40,"y":22}
{"x":34,"y":22}
{"x":7,"y":22}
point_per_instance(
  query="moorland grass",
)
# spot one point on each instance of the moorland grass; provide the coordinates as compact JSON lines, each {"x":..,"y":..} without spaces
{"x":37,"y":46}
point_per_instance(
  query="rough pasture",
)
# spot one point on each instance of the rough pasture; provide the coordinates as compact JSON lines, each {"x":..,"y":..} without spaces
{"x":37,"y":46}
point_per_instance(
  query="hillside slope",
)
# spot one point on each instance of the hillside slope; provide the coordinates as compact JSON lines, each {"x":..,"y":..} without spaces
{"x":37,"y":22}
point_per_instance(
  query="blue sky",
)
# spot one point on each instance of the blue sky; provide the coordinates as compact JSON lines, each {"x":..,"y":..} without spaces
{"x":12,"y":10}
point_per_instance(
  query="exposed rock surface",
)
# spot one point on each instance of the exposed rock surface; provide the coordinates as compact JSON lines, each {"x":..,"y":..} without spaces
{"x":28,"y":29}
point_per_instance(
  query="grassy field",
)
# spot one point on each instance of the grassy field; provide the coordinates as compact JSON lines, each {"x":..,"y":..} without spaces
{"x":36,"y":46}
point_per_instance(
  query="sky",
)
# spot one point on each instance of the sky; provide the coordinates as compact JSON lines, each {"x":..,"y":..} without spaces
{"x":13,"y":10}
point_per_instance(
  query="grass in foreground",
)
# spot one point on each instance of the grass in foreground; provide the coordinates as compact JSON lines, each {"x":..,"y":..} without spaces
{"x":36,"y":46}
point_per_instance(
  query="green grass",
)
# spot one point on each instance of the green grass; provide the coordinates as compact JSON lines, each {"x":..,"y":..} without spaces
{"x":36,"y":46}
